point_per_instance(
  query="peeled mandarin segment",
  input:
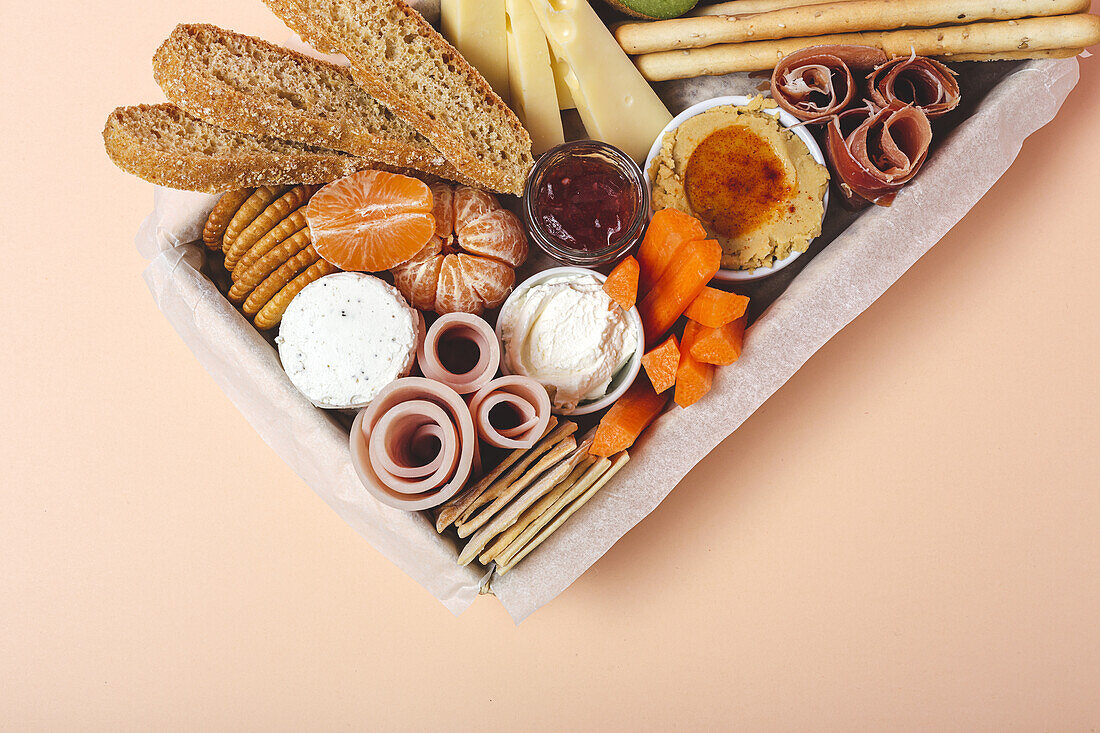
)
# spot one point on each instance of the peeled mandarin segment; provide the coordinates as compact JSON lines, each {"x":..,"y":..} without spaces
{"x":471,"y":284}
{"x":497,"y":234}
{"x":417,"y":278}
{"x":371,"y":220}
{"x":470,"y":204}
{"x":443,"y":209}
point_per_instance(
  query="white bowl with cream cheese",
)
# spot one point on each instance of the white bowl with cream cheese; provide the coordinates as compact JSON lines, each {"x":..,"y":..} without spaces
{"x":560,"y":328}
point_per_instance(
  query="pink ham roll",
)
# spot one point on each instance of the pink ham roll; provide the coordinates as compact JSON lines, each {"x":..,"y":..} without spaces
{"x":511,"y":412}
{"x":461,"y":351}
{"x":414,"y":446}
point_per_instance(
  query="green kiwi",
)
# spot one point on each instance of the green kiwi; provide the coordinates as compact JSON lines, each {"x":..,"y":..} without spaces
{"x":653,"y":9}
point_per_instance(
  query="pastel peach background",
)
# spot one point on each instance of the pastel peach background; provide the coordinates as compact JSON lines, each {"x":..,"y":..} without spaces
{"x":905,"y":537}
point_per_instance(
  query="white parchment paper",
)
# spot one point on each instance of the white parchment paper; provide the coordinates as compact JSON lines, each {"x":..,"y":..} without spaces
{"x":836,"y":285}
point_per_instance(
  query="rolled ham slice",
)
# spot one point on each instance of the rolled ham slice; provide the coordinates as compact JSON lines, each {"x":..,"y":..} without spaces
{"x":817,"y":82}
{"x":414,"y":447}
{"x":918,"y":81}
{"x":881,"y":154}
{"x":461,"y":351}
{"x":511,"y":412}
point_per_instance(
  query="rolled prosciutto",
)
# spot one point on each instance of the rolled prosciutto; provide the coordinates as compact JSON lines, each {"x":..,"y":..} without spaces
{"x":818,"y":82}
{"x":882,"y":153}
{"x":917,"y":81}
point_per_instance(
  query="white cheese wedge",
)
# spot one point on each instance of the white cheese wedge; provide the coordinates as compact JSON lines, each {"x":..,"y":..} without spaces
{"x":615,"y":103}
{"x":345,"y":337}
{"x":477,"y":29}
{"x":531,"y":77}
{"x":561,"y":70}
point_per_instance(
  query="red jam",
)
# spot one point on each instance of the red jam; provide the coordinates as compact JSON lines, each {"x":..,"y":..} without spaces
{"x":586,"y":202}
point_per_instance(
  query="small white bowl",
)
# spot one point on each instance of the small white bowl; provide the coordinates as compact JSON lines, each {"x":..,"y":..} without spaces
{"x":622,"y":380}
{"x":786,"y":119}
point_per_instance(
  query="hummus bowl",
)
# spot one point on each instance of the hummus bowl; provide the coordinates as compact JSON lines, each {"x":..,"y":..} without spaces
{"x":786,"y":120}
{"x":622,"y":378}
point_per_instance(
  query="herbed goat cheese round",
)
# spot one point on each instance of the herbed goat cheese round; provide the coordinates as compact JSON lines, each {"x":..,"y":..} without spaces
{"x":345,"y":337}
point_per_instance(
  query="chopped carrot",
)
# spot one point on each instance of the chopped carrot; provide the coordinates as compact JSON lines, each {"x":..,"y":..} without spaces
{"x":668,"y":230}
{"x":622,"y":283}
{"x":661,"y":364}
{"x":714,"y":307}
{"x":628,"y":417}
{"x":696,"y":263}
{"x":720,"y":346}
{"x":693,"y":377}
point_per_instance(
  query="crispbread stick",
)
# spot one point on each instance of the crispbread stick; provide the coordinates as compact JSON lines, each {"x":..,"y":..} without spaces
{"x":455,"y":507}
{"x":500,"y":493}
{"x":618,"y":463}
{"x":535,"y":511}
{"x":511,"y":513}
{"x":840,"y":17}
{"x":516,"y":541}
{"x":1038,"y":53}
{"x":1029,"y":34}
{"x":748,"y":7}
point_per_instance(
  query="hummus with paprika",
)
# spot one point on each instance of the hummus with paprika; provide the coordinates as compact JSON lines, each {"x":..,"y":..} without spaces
{"x":750,"y":181}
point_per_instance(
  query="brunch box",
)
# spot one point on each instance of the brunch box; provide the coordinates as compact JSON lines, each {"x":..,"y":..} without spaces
{"x":462,"y":477}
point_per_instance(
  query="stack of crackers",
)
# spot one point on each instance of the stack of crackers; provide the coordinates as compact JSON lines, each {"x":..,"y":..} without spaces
{"x":515,"y":507}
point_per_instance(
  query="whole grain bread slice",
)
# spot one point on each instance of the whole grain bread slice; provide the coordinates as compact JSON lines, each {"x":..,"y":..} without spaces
{"x":164,"y":145}
{"x":403,"y":62}
{"x":248,"y":85}
{"x":291,"y":13}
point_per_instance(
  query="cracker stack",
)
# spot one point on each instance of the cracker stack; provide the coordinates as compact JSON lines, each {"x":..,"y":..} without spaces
{"x":513,"y":509}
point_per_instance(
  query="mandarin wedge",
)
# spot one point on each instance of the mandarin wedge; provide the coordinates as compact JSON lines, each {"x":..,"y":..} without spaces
{"x":371,"y":220}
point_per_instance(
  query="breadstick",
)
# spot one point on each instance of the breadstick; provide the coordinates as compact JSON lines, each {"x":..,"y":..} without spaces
{"x":1041,"y":53}
{"x":1030,"y":34}
{"x":748,"y":7}
{"x":839,"y":17}
{"x":618,"y":463}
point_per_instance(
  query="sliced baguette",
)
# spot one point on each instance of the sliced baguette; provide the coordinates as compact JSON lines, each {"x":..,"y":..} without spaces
{"x":247,"y":85}
{"x":404,"y":63}
{"x":163,"y":145}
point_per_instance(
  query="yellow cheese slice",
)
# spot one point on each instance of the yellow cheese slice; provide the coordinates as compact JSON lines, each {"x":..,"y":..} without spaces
{"x":561,"y":69}
{"x":615,"y":103}
{"x":477,"y":29}
{"x":531,"y":77}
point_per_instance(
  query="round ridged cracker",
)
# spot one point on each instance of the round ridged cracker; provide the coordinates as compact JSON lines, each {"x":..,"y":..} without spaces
{"x":286,"y":229}
{"x":221,"y":215}
{"x":272,"y":313}
{"x":265,"y":222}
{"x":277,"y":280}
{"x":253,"y":206}
{"x":251,"y":278}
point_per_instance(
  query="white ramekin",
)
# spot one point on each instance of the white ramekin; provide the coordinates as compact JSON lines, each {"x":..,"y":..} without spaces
{"x":786,"y":119}
{"x":622,"y":380}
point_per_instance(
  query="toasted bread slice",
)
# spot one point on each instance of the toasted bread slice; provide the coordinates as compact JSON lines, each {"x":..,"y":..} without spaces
{"x":291,"y":13}
{"x":247,"y":85}
{"x":163,"y":145}
{"x":404,"y":63}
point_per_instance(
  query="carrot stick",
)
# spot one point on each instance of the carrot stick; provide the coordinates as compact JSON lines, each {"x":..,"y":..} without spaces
{"x":693,"y":377}
{"x":720,"y":346}
{"x":714,"y":308}
{"x":661,"y":364}
{"x":696,"y":263}
{"x":622,"y":283}
{"x":668,"y":230}
{"x":628,"y":417}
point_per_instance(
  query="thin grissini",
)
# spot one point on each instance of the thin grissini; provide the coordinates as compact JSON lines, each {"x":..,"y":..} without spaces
{"x":964,"y":42}
{"x":841,"y":17}
{"x":749,"y":7}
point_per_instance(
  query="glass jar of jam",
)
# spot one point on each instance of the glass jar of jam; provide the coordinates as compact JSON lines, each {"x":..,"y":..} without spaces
{"x":586,"y":203}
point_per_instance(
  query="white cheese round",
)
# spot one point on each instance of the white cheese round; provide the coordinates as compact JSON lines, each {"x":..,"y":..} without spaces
{"x":566,"y":333}
{"x":345,"y":337}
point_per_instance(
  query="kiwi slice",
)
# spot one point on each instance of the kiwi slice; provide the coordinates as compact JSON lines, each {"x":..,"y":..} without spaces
{"x":653,"y":9}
